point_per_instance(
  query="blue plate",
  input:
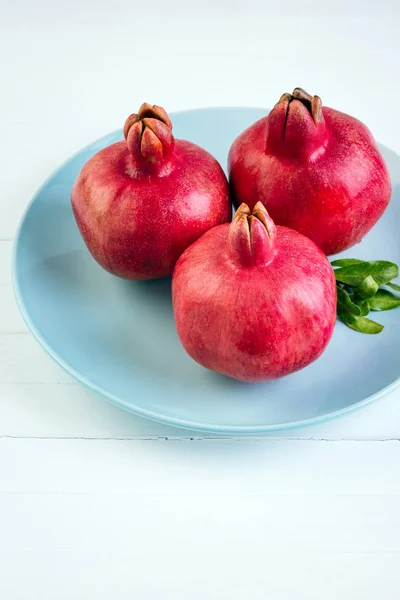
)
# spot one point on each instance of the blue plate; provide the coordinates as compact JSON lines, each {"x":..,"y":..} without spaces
{"x":118,"y":337}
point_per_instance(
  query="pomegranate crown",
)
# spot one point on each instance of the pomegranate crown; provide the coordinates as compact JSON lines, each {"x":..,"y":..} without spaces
{"x":296,"y":126}
{"x":252,"y":236}
{"x":312,"y":103}
{"x":148,"y":133}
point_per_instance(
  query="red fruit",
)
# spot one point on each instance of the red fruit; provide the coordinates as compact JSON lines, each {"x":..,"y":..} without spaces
{"x":252,"y":300}
{"x":140,"y":203}
{"x":315,"y":169}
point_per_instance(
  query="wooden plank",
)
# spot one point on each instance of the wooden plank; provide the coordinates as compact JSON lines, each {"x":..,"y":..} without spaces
{"x":215,"y":466}
{"x":11,"y":320}
{"x":303,"y":546}
{"x":22,"y":360}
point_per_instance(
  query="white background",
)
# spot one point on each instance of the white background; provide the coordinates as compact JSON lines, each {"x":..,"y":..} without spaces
{"x":95,"y":502}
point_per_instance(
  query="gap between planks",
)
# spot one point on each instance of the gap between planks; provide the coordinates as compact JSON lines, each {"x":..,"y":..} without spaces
{"x":200,"y":438}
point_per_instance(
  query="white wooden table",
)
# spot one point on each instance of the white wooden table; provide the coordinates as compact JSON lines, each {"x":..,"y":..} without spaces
{"x":98,"y":503}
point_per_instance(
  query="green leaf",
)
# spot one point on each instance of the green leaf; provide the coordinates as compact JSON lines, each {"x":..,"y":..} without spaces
{"x":384,"y":300}
{"x":382,"y":271}
{"x":394,"y":286}
{"x":358,"y":323}
{"x":346,"y":302}
{"x":368,"y":288}
{"x":346,"y":262}
{"x":358,"y":291}
{"x":364,"y":325}
{"x":345,"y":315}
{"x":364,"y":306}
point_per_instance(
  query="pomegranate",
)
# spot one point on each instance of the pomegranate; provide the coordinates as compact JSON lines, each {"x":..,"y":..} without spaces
{"x":315,"y":169}
{"x":253,"y":300}
{"x":139,"y":203}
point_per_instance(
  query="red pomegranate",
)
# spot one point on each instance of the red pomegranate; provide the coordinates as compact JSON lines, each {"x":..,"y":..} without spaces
{"x":140,"y":203}
{"x":252,"y":300}
{"x":315,"y":169}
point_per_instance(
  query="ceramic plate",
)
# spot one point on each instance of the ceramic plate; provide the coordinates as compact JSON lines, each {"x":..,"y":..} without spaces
{"x":118,"y":337}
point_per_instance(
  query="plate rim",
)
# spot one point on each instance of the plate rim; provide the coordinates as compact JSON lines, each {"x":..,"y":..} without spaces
{"x":133,"y":408}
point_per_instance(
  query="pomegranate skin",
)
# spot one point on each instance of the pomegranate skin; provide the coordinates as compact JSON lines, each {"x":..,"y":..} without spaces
{"x":254,"y":311}
{"x":140,"y":203}
{"x":319,"y":172}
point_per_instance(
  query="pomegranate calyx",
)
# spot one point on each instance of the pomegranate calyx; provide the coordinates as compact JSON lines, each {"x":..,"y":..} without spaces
{"x":252,"y":236}
{"x":260,"y":213}
{"x":296,"y":126}
{"x":312,"y":103}
{"x":148,"y":133}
